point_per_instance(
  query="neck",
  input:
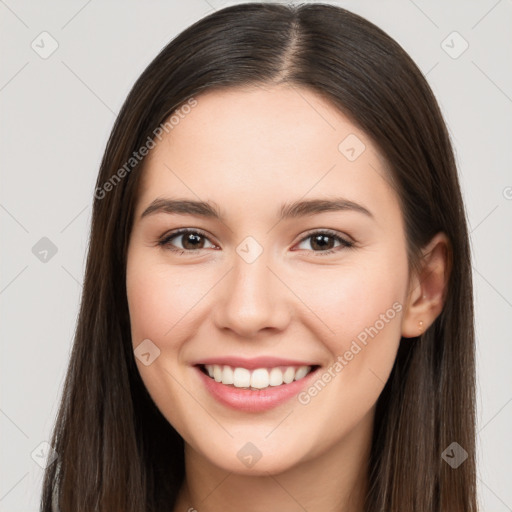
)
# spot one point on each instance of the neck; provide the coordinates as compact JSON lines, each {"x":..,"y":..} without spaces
{"x":335,"y":480}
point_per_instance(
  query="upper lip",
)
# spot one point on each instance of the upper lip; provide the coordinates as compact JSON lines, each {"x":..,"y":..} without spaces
{"x":253,"y":363}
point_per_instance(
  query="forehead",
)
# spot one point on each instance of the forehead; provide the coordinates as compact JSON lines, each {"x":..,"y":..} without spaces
{"x":263,"y":143}
{"x":271,"y":123}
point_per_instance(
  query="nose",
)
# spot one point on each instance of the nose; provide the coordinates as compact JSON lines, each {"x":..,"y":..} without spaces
{"x":253,"y":298}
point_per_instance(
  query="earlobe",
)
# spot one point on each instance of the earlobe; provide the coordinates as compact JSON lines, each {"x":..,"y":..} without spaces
{"x":428,"y":288}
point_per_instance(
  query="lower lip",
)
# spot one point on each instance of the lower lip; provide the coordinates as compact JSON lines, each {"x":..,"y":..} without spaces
{"x":254,"y":400}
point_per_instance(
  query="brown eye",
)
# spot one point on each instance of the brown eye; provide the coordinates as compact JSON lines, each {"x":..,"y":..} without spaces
{"x":323,"y":242}
{"x":191,"y":240}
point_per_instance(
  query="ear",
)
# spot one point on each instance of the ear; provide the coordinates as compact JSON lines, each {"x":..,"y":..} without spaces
{"x":428,"y":287}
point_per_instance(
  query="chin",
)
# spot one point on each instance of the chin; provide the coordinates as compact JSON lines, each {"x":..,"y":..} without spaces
{"x":253,"y":458}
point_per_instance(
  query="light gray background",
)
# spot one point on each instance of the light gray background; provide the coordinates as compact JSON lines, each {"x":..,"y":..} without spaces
{"x":57,"y":114}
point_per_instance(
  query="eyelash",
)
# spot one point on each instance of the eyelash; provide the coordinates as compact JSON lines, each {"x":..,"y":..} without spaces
{"x":165,"y":240}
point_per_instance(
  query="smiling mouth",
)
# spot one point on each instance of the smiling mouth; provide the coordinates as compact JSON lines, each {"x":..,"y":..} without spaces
{"x":257,"y":379}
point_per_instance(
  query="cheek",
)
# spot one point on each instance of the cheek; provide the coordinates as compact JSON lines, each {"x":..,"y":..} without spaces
{"x":158,"y":302}
{"x":158,"y":299}
{"x":361,"y":306}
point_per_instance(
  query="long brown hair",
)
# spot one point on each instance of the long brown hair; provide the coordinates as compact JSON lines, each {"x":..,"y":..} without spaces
{"x":116,"y":451}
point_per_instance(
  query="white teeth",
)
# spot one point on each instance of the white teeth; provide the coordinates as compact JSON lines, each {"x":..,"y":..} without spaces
{"x":227,"y":375}
{"x":276,"y":377}
{"x":259,"y":378}
{"x":241,"y":378}
{"x":301,"y":372}
{"x":289,"y":375}
{"x":217,"y":373}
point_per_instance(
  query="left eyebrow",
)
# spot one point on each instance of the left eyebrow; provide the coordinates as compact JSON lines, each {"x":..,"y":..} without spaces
{"x":314,"y":206}
{"x":288,"y":210}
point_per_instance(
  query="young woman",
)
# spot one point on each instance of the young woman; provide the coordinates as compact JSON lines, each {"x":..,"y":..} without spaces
{"x":277,"y":309}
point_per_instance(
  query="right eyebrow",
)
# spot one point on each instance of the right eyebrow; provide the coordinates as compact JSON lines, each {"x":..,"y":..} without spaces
{"x":182,"y":207}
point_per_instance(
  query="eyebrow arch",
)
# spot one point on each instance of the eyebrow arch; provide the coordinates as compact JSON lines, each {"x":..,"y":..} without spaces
{"x":287,"y":211}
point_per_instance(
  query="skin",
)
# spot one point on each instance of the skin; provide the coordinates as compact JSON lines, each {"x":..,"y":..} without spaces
{"x":248,"y":151}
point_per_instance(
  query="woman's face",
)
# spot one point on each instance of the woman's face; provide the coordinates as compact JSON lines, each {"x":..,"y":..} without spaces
{"x":267,"y":279}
